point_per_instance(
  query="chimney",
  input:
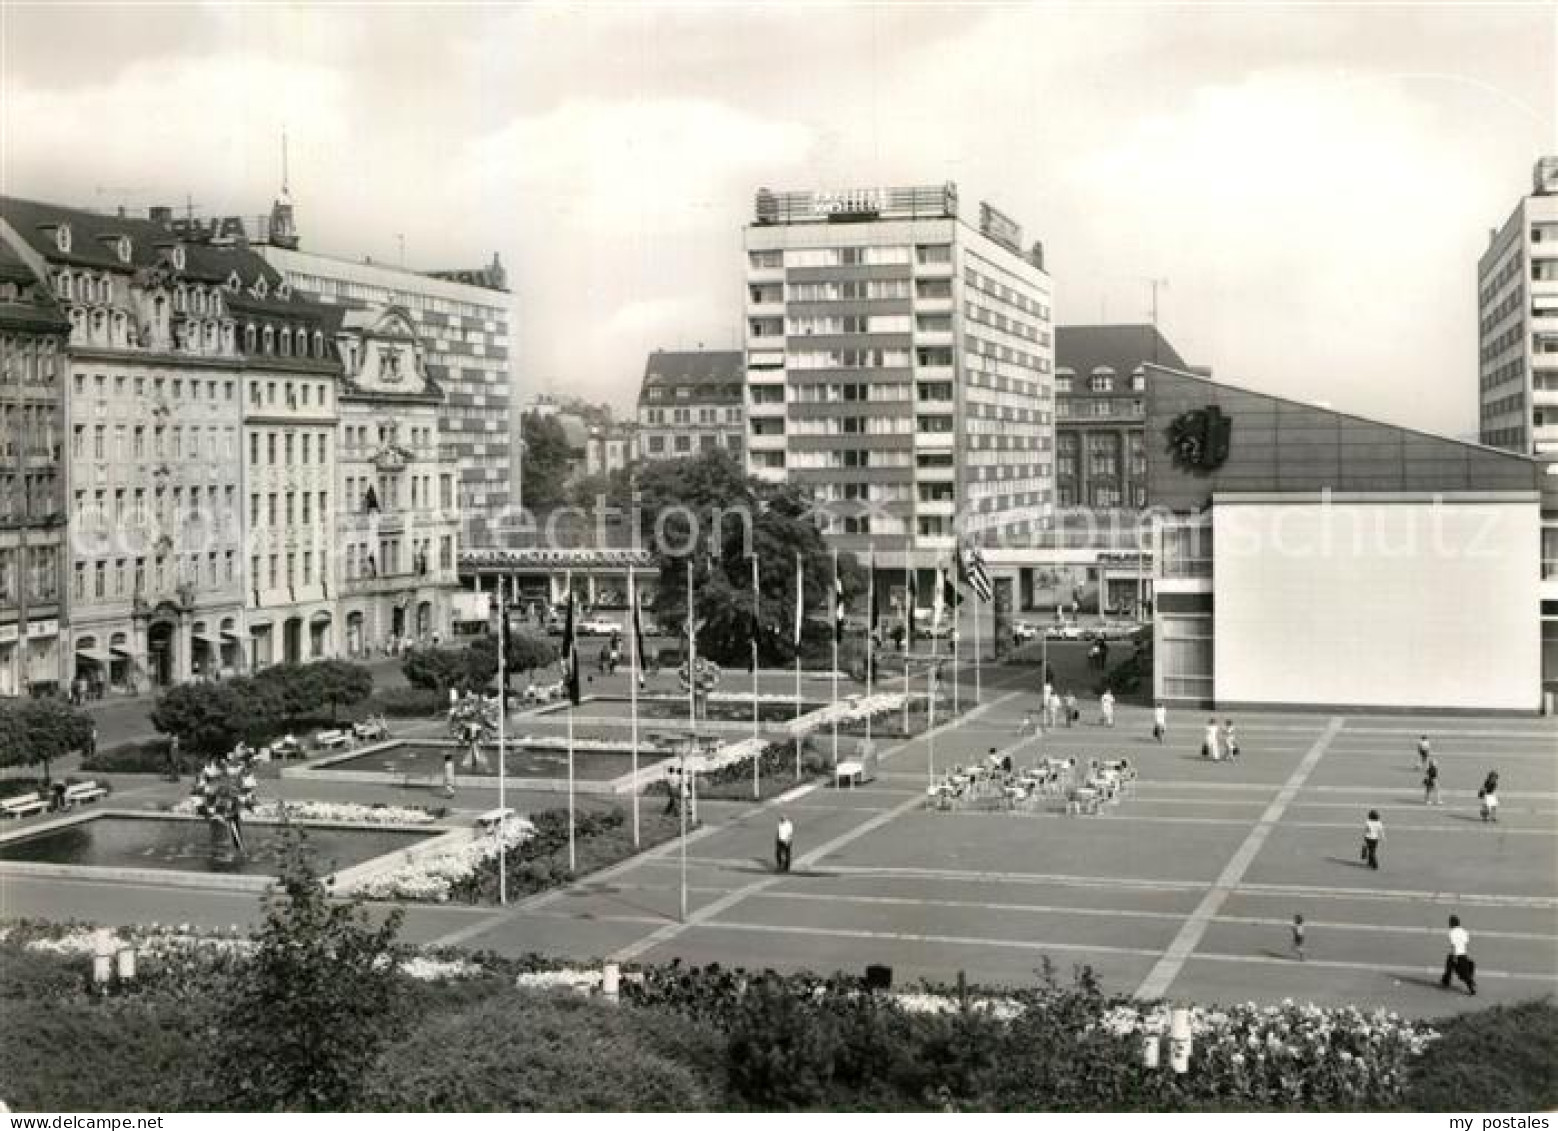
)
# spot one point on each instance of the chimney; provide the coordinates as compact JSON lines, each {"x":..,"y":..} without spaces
{"x":160,"y":214}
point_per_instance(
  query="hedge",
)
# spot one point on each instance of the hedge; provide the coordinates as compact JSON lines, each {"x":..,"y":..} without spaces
{"x":147,"y":756}
{"x":527,"y":1052}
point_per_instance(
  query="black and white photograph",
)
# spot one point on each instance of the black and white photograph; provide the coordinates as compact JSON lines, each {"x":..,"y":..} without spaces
{"x":834,"y":557}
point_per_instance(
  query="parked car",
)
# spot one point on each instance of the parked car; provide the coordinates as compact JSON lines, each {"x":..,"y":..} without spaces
{"x":946,"y":630}
{"x":1068,"y":631}
{"x":598,"y":625}
{"x":1024,"y":631}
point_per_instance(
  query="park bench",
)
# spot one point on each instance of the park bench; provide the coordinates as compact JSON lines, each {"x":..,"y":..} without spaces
{"x":23,"y":804}
{"x":288,"y":747}
{"x":492,"y":818}
{"x":332,"y":739}
{"x":83,"y":792}
{"x":851,"y":772}
{"x":370,"y":729}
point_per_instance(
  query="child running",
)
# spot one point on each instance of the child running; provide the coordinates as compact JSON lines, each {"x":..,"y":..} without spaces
{"x":1298,"y":936}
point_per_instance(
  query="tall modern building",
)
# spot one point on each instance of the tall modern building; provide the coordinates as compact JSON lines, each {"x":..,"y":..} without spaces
{"x":1101,"y":413}
{"x":1517,"y":318}
{"x":899,"y":366}
{"x":463,"y":318}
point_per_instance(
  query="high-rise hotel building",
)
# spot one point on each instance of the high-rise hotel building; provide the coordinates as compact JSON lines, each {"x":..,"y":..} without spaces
{"x":899,"y":365}
{"x":1517,"y":317}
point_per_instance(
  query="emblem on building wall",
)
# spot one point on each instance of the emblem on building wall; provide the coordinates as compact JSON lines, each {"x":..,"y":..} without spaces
{"x":1199,"y":438}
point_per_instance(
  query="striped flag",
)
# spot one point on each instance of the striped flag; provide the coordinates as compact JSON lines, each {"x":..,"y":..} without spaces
{"x":570,"y":651}
{"x":800,"y":599}
{"x":638,"y":630}
{"x":972,"y":572}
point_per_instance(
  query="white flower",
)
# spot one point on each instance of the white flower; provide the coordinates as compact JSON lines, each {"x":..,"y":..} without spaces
{"x":344,"y":812}
{"x":429,"y":877}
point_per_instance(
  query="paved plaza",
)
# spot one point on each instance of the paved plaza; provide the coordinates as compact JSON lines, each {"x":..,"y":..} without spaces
{"x":1186,"y":888}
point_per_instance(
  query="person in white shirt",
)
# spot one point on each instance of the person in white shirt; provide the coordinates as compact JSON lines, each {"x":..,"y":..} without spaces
{"x":1373,"y":833}
{"x":1160,"y":723}
{"x":1458,"y":963}
{"x":783,"y":838}
{"x":1211,"y":743}
{"x":1106,"y":707}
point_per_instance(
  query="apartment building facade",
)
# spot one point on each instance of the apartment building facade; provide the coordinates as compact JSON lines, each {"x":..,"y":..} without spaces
{"x":899,"y":365}
{"x":1101,"y":413}
{"x":399,"y":523}
{"x":690,"y":402}
{"x":33,"y":332}
{"x":153,"y":467}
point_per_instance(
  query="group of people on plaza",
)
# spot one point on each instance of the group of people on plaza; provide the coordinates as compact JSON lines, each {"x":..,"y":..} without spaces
{"x":1056,"y":710}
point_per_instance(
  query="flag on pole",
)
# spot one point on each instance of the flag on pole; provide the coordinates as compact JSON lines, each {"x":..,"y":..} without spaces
{"x":938,"y":599}
{"x":838,"y":604}
{"x":570,"y":651}
{"x":972,"y":571}
{"x":913,"y":603}
{"x":950,"y":593}
{"x":638,"y":634}
{"x":754,"y":619}
{"x":874,"y":613}
{"x":800,"y":600}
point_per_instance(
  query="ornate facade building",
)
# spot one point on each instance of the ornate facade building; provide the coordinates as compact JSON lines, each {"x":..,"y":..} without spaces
{"x":399,"y":520}
{"x":289,"y":420}
{"x":33,"y":329}
{"x":153,"y":474}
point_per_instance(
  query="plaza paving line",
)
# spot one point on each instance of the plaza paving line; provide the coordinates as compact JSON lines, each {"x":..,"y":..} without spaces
{"x":670,"y":930}
{"x":1067,"y":909}
{"x":1135,"y":817}
{"x":1168,"y":966}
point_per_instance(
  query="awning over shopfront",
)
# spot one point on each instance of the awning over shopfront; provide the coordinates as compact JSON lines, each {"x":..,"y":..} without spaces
{"x":96,"y":655}
{"x":321,"y":617}
{"x":120,"y":650}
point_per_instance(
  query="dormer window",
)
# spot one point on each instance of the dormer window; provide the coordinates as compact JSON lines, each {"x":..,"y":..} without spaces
{"x":62,"y":239}
{"x":122,"y":248}
{"x":64,"y":286}
{"x":284,"y":291}
{"x":234,"y":283}
{"x":249,"y":337}
{"x":180,"y":298}
{"x":261,"y":289}
{"x":178,"y":257}
{"x":319,"y":344}
{"x":268,"y":339}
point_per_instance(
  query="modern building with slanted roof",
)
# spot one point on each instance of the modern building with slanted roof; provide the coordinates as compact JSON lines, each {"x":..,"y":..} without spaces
{"x":1313,"y":559}
{"x":691,"y":402}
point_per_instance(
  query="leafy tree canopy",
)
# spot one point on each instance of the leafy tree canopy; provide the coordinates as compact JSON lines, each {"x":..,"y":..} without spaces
{"x":40,"y":731}
{"x":544,"y":465}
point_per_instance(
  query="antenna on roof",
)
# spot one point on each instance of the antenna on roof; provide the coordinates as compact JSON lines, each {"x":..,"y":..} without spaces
{"x":284,"y":177}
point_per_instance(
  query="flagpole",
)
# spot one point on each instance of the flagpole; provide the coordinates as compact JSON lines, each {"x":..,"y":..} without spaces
{"x":633,"y":678}
{"x":835,"y":634}
{"x":573,"y":684}
{"x":908,"y":630}
{"x":503,"y":632}
{"x":956,"y":604}
{"x":757,"y":758}
{"x":978,"y":683}
{"x":800,"y":615}
{"x":930,"y":680}
{"x":692,"y":694}
{"x":870,"y":631}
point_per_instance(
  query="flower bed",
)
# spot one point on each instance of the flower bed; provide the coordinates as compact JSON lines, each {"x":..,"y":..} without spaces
{"x":435,"y":876}
{"x":344,"y":812}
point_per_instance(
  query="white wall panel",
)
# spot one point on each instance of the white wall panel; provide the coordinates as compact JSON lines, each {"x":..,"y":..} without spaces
{"x":1404,"y":604}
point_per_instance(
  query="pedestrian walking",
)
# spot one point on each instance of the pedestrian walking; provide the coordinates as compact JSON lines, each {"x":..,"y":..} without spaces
{"x":173,"y":758}
{"x":1106,"y":707}
{"x":448,"y":775}
{"x":1373,"y":833}
{"x":1072,"y":714}
{"x":673,"y":788}
{"x":1298,"y":937}
{"x":1431,"y":783}
{"x":1211,"y":746}
{"x":1459,"y":962}
{"x":1160,"y":723}
{"x":1488,"y":795}
{"x":784,"y":838}
{"x":1103,"y":655}
{"x":1044,"y":705}
{"x":1230,"y":743}
{"x":1424,"y":752}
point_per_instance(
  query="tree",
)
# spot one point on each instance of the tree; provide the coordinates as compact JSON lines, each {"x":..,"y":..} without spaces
{"x":209,"y":719}
{"x":461,"y":669}
{"x":310,"y":1011}
{"x":342,"y":683}
{"x":528,"y":651}
{"x":40,"y":731}
{"x":299,"y":689}
{"x":720,"y":504}
{"x":545,"y":463}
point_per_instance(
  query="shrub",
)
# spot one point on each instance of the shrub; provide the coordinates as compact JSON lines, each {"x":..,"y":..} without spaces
{"x":146,"y":756}
{"x":306,"y":1015}
{"x":1499,"y":1059}
{"x":525,"y":1052}
{"x":110,"y":1056}
{"x":776,"y":774}
{"x":404,"y":703}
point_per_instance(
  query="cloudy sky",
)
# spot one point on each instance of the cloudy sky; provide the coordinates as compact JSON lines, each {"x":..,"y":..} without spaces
{"x":1315,"y":183}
